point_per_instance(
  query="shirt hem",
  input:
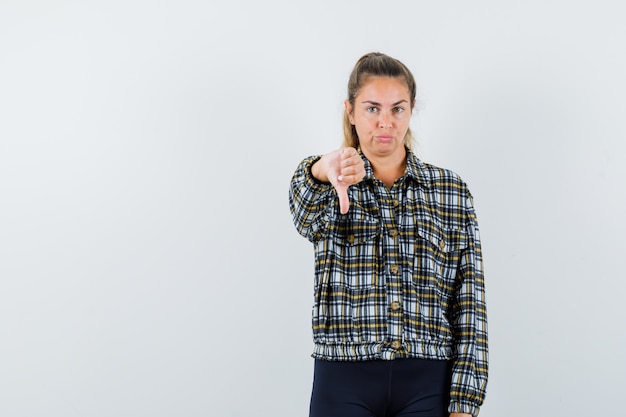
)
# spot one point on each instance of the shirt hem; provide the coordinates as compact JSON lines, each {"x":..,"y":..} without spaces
{"x":350,"y":351}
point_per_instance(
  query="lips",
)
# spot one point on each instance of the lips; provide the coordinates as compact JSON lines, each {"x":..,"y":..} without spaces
{"x":384,"y":139}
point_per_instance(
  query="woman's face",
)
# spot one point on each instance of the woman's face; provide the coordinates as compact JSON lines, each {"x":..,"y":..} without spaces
{"x":381,"y":115}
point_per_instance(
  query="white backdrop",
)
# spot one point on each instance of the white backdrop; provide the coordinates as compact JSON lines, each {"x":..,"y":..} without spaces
{"x":149,"y":266}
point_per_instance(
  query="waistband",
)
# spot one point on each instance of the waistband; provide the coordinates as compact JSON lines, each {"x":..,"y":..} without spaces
{"x":423,"y":349}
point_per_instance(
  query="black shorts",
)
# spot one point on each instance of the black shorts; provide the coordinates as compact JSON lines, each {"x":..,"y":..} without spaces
{"x":394,"y":388}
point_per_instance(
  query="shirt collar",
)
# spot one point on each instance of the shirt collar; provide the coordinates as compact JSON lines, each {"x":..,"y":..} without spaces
{"x":415,"y":169}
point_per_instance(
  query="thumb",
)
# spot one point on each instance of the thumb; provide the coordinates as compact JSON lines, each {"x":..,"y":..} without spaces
{"x":342,"y":194}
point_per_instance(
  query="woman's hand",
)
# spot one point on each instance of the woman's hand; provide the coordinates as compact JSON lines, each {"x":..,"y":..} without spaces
{"x":342,"y":168}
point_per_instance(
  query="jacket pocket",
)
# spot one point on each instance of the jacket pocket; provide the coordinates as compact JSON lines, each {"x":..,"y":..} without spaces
{"x":438,"y":251}
{"x":346,"y":315}
{"x":350,"y":255}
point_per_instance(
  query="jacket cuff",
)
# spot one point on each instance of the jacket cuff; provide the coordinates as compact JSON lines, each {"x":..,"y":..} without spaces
{"x":311,"y":181}
{"x":464,"y":407}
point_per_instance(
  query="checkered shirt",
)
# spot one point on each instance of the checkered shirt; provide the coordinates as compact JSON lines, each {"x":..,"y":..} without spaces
{"x":400,"y":275}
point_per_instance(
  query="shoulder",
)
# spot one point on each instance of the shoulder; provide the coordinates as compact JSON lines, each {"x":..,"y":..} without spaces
{"x":439,"y":175}
{"x":433,"y":176}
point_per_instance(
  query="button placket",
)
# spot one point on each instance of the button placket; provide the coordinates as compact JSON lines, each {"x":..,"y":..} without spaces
{"x":388,"y":204}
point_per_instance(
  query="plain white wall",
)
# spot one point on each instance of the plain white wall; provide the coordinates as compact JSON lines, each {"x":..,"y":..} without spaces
{"x":148,"y":263}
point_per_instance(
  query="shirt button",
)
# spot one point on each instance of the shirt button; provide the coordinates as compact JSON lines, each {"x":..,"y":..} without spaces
{"x":393,"y":232}
{"x":394,"y":269}
{"x":395,"y":306}
{"x":350,"y":238}
{"x":442,"y":244}
{"x":396,"y":344}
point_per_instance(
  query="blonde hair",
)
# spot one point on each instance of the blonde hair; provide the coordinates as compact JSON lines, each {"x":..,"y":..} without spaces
{"x":375,"y":64}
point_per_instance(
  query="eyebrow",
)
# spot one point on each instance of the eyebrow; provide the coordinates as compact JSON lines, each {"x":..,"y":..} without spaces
{"x":378,"y":104}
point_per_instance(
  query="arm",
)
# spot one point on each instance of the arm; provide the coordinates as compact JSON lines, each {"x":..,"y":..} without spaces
{"x":469,"y":323}
{"x":309,"y":200}
{"x":315,"y":185}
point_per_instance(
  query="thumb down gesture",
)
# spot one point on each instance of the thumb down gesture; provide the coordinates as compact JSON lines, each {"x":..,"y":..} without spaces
{"x":342,"y":168}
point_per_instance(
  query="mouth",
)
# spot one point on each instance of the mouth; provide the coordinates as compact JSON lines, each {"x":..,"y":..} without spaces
{"x":384,"y":139}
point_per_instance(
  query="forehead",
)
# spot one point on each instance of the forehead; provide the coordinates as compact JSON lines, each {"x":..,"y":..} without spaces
{"x":384,"y":87}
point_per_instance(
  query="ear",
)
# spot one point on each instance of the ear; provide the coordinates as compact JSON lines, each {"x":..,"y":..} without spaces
{"x":349,"y":109}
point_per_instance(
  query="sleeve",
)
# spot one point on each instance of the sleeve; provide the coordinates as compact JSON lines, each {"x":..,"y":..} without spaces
{"x":309,"y":201}
{"x":469,"y":324}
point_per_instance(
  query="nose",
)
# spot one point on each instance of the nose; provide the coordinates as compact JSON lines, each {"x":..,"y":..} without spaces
{"x":384,"y":121}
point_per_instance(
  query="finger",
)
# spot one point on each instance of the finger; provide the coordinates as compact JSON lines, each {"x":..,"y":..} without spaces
{"x":349,"y":156}
{"x":348,"y":178}
{"x":348,"y":152}
{"x":353,"y":174}
{"x":351,"y":169}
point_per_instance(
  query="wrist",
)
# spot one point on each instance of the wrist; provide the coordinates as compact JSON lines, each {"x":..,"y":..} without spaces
{"x":318,"y":173}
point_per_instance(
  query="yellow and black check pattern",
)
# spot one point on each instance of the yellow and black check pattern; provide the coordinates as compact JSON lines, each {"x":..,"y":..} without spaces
{"x":400,"y":275}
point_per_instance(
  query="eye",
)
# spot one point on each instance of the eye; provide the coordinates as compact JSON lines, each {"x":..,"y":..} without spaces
{"x":372,"y":109}
{"x":398,"y":109}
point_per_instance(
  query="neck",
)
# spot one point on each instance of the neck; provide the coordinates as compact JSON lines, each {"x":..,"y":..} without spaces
{"x":388,"y":168}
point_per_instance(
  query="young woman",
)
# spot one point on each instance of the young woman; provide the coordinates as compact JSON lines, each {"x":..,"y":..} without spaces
{"x":399,"y":320}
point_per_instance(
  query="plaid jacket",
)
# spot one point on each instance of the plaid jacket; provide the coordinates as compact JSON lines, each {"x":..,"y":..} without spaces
{"x":400,"y":275}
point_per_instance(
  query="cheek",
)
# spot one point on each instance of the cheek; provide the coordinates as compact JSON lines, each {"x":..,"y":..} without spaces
{"x":364,"y":127}
{"x":365,"y":122}
{"x":403,"y":122}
